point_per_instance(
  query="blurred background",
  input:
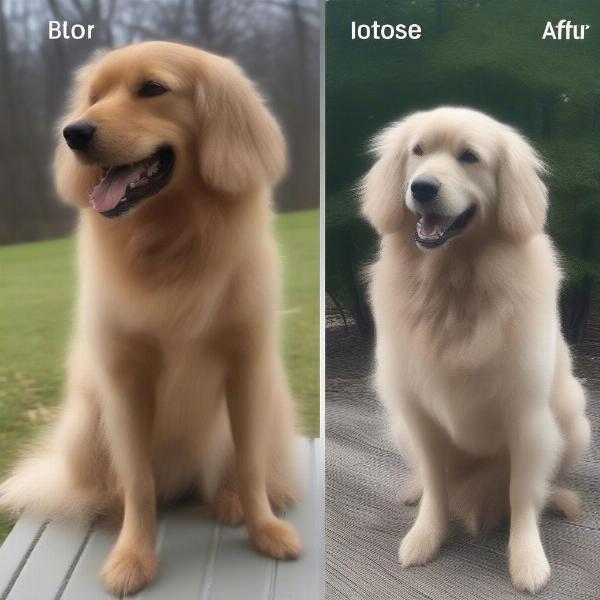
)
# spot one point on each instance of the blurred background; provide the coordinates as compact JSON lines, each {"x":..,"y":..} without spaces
{"x":489,"y":55}
{"x":275,"y":41}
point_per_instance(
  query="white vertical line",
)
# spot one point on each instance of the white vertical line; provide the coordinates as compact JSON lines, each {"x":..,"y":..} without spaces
{"x":209,"y":574}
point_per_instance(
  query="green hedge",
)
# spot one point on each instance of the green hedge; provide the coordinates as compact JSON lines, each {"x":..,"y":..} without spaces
{"x":488,"y":55}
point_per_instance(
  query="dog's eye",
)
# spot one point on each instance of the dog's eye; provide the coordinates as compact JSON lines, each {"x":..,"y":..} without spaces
{"x":152,"y":88}
{"x":418,"y":150}
{"x":468,"y":157}
{"x":93,"y":99}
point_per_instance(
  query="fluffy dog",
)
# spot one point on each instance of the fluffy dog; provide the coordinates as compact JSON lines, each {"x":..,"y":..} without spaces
{"x":471,"y":363}
{"x":174,"y":377}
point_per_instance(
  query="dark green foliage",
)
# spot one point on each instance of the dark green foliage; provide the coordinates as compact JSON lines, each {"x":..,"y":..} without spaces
{"x":488,"y":55}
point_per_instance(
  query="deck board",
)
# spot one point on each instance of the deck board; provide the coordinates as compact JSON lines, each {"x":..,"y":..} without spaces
{"x":83,"y":582}
{"x":199,"y":559}
{"x":50,"y":561}
{"x":16,"y":550}
{"x":238,"y":573}
{"x":307,"y":517}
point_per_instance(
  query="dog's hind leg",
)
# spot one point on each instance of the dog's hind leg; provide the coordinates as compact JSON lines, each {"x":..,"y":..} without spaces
{"x":412,"y":491}
{"x":225,"y":505}
{"x":568,"y":406}
{"x":564,"y":501}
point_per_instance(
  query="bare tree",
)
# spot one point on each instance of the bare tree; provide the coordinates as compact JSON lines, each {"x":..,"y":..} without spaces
{"x":275,"y":41}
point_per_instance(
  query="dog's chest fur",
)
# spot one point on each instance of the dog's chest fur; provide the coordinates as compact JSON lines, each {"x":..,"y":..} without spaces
{"x":444,"y":325}
{"x":453,"y":309}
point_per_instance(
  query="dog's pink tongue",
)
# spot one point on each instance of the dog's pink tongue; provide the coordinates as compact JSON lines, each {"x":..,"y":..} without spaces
{"x":106,"y":195}
{"x":432,"y":223}
{"x":428,"y":224}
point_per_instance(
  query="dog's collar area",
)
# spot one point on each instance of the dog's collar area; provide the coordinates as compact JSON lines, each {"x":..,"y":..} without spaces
{"x":434,"y":230}
{"x":124,"y":186}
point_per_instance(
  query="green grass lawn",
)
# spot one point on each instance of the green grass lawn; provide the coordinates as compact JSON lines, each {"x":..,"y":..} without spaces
{"x":298,"y":235}
{"x":37,"y":287}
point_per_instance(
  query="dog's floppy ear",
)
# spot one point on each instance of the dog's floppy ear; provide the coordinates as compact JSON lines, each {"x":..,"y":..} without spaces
{"x":241,"y":145}
{"x":522,"y":195}
{"x":382,"y":189}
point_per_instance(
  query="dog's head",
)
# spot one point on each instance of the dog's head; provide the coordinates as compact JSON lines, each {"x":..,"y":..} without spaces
{"x":158,"y":117}
{"x":454,"y":172}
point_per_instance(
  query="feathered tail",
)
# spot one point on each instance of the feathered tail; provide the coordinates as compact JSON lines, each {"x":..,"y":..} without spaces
{"x":41,"y":484}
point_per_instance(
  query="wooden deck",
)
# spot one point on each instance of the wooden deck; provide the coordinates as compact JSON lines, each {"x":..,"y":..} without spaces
{"x":199,"y":559}
{"x":366,"y":519}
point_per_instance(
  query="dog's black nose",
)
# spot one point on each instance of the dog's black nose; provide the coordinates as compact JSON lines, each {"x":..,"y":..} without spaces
{"x":425,"y":188}
{"x":79,"y":134}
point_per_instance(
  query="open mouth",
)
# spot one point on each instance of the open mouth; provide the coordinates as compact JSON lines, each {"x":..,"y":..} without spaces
{"x":124,"y":186}
{"x":433,"y":230}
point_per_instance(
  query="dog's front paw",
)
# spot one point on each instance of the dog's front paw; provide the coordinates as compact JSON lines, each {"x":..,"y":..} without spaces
{"x":128,"y":571}
{"x":278,"y":539}
{"x":529,"y":569}
{"x":420,"y":545}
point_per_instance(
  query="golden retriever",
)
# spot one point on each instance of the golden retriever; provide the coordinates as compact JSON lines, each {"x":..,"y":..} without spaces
{"x":471,"y":363}
{"x":174,"y":378}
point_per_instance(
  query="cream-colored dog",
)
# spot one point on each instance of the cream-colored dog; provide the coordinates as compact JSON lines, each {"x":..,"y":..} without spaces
{"x":471,"y":363}
{"x":174,"y":381}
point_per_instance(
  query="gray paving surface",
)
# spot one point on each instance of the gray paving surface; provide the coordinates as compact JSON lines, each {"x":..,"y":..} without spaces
{"x":199,"y":559}
{"x":365,"y":521}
